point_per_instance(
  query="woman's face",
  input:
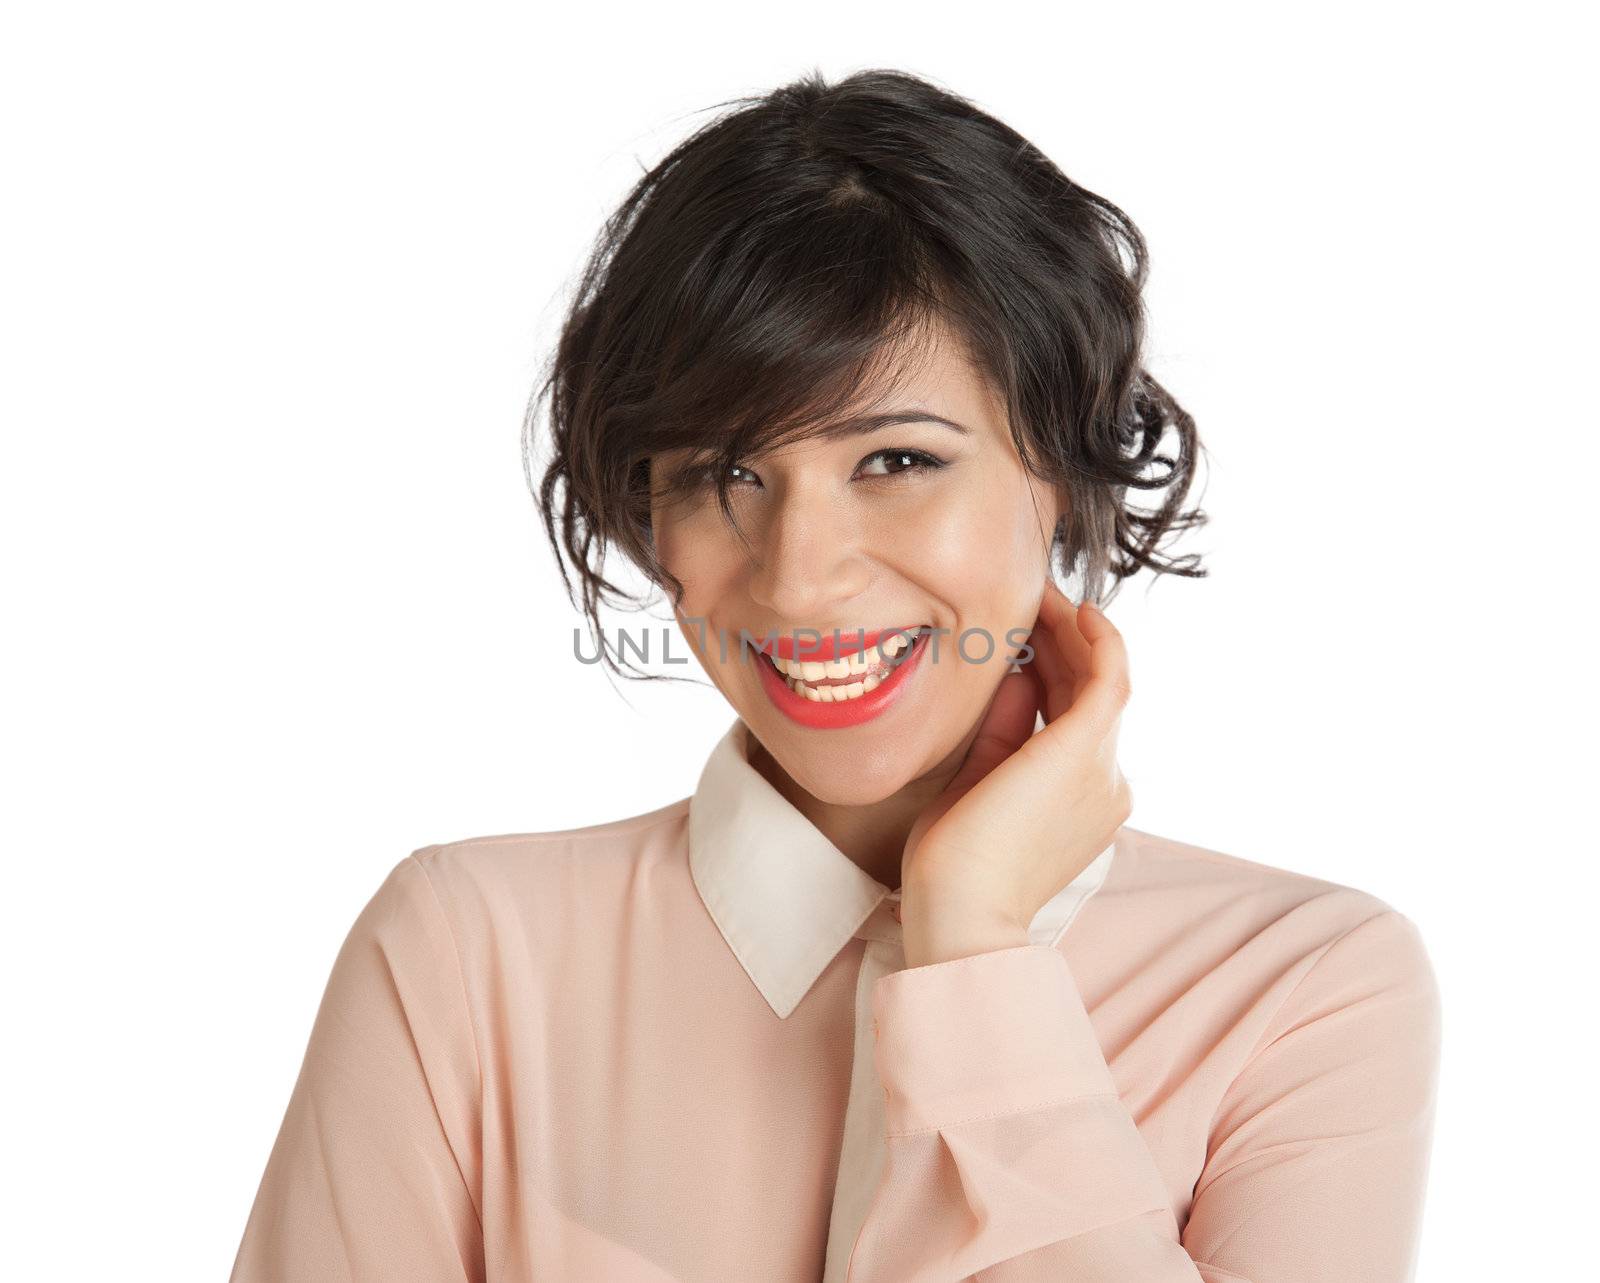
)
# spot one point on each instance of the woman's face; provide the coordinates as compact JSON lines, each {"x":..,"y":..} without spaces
{"x":850,"y":534}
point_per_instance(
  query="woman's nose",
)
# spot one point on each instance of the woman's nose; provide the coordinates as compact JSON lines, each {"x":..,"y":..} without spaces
{"x":806,"y":558}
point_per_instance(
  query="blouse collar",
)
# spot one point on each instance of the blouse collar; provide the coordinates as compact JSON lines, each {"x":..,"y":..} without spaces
{"x":785,"y":898}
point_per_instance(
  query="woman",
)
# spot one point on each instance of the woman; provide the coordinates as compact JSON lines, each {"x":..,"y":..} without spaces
{"x":896,"y":994}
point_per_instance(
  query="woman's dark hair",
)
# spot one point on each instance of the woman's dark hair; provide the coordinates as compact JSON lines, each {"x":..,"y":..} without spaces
{"x":784,"y":255}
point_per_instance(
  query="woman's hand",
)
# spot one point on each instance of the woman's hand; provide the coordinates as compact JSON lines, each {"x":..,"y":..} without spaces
{"x":1027,"y":812}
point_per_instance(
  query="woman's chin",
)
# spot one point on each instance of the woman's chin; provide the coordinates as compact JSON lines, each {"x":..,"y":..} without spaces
{"x":838,"y":788}
{"x":863,"y":775}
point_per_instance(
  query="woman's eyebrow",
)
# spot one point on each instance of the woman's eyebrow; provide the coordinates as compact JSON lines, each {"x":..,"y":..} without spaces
{"x":873,"y":422}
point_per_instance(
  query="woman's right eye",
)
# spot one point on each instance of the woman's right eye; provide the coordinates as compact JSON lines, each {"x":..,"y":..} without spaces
{"x":708,"y":473}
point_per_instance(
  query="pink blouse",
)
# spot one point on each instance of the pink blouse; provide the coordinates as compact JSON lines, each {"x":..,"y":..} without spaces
{"x":684,"y":1047}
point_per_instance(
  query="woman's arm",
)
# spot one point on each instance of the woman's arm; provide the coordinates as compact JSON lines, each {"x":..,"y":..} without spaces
{"x":376,"y":1172}
{"x":1011,"y":1159}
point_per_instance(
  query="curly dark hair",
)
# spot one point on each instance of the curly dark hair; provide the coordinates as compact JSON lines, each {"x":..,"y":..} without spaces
{"x":749,"y":286}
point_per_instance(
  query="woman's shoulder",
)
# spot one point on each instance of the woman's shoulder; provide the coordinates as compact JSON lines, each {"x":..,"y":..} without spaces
{"x":1269,"y":926}
{"x":511,"y":891}
{"x":551,"y":853}
{"x":1201,"y":882}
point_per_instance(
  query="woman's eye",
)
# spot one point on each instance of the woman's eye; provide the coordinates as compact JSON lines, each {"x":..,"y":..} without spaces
{"x":895,"y":462}
{"x":706,"y":474}
{"x":904,"y":461}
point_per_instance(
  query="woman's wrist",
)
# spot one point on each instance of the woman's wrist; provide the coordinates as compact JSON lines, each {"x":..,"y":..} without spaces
{"x":948,"y":926}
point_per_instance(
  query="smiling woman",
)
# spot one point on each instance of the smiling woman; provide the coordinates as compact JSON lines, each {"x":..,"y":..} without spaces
{"x":854,"y":375}
{"x":834,"y":534}
{"x":874,"y":264}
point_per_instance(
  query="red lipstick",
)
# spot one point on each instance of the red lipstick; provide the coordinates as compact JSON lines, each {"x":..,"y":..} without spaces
{"x":828,"y":715}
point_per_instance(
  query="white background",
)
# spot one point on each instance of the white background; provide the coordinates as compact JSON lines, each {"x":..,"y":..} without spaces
{"x":277,"y":281}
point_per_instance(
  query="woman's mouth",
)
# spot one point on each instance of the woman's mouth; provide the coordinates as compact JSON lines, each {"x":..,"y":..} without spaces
{"x":841,"y":692}
{"x":841,"y":680}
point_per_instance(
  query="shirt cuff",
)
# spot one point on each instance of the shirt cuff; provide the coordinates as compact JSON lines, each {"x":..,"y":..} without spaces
{"x":994,"y":1033}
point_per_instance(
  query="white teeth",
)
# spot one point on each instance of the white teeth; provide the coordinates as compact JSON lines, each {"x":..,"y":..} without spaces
{"x":815,"y":670}
{"x":872,"y":663}
{"x":857,"y":664}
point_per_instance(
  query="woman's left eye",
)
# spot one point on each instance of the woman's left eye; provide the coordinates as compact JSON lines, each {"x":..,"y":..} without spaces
{"x":906,"y":461}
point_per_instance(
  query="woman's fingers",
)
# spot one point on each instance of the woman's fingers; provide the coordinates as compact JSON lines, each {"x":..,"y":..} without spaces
{"x":1006,"y":727}
{"x":1109,"y":687}
{"x":1056,"y":680}
{"x":1062,"y":616}
{"x":1085,"y":698}
{"x":1061,"y":654}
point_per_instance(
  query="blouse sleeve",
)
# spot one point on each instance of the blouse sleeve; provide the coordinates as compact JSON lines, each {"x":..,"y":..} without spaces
{"x":376,"y":1171}
{"x":1010,"y":1157}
